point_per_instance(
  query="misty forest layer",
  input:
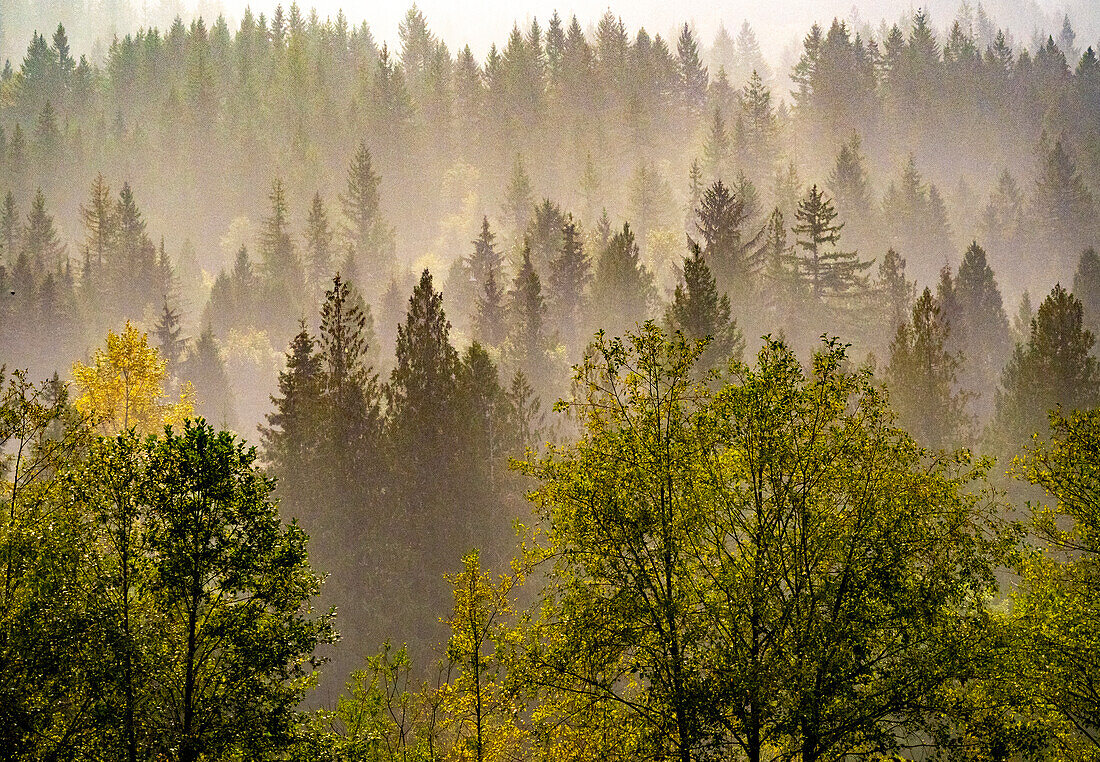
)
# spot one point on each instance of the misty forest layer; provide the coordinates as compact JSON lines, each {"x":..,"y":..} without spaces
{"x":614,"y":397}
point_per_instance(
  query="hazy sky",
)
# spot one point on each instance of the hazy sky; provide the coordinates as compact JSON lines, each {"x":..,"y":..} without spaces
{"x":480,"y":22}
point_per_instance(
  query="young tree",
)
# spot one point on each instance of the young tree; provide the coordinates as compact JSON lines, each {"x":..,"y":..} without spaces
{"x":123,"y":388}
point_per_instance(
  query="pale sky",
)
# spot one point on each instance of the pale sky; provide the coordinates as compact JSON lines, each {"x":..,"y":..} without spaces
{"x":777,"y":24}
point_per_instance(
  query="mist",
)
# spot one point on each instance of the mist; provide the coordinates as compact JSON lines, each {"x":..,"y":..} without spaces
{"x":550,"y":326}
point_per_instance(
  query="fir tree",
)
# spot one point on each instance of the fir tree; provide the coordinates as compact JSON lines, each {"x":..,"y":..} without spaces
{"x":1064,"y":208}
{"x":490,"y":323}
{"x":366,"y":234}
{"x":720,"y":219}
{"x":280,"y":259}
{"x":979,"y":326}
{"x":829,"y":272}
{"x":894,"y":289}
{"x":716,"y":148}
{"x":1053,"y":369}
{"x":204,"y":369}
{"x":41,"y":245}
{"x":692,"y":73}
{"x":518,"y":197}
{"x":700,"y":312}
{"x":292,"y":433}
{"x":318,"y":243}
{"x":622,"y":289}
{"x":9,"y":228}
{"x":570,"y":274}
{"x":922,"y":378}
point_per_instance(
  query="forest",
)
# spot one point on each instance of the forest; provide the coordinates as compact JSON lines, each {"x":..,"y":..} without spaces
{"x":607,"y":396}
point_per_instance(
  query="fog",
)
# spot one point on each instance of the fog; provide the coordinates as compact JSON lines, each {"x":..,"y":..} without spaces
{"x":380,"y":245}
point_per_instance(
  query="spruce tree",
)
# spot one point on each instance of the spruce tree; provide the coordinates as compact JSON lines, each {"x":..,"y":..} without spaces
{"x":1055,"y":368}
{"x":1064,"y":208}
{"x":894,"y":290}
{"x":527,"y":336}
{"x":318,"y":243}
{"x":692,"y":73}
{"x":921,"y":377}
{"x":544,"y":234}
{"x":1086,"y":287}
{"x":366,"y":234}
{"x":170,"y":338}
{"x":829,"y":272}
{"x":9,"y":228}
{"x":622,"y":289}
{"x":518,"y":198}
{"x":41,"y":245}
{"x":720,"y":219}
{"x":490,"y":321}
{"x":570,"y":274}
{"x":700,"y":312}
{"x":716,"y":147}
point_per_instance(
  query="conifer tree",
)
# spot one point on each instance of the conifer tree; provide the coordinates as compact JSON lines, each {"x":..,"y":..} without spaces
{"x":41,"y":245}
{"x":319,"y":243}
{"x":9,"y":228}
{"x":280,"y":258}
{"x":98,"y":218}
{"x":204,"y":369}
{"x":700,"y":312}
{"x":518,"y":198}
{"x":622,"y":289}
{"x":527,"y":336}
{"x":570,"y":275}
{"x":894,"y":289}
{"x":170,"y":340}
{"x":692,"y":73}
{"x":365,"y":231}
{"x":921,"y":377}
{"x":979,"y":326}
{"x":720,"y":219}
{"x":1055,"y":368}
{"x":1086,"y":287}
{"x":716,"y":147}
{"x":490,"y":324}
{"x":544,"y":234}
{"x":1064,"y":208}
{"x":828,"y":271}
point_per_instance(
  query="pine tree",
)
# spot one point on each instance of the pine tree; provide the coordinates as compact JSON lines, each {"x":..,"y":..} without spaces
{"x":922,"y":378}
{"x":570,"y":274}
{"x":700,"y":312}
{"x":1053,"y":369}
{"x":318,"y":243}
{"x":829,"y":272}
{"x":622,"y":289}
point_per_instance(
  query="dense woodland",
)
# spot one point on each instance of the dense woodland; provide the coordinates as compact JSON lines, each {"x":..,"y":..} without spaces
{"x":599,"y":399}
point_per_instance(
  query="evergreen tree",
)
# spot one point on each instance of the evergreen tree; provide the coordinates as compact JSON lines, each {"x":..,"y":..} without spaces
{"x":98,"y":218}
{"x":204,"y":369}
{"x":544,"y":234}
{"x":280,"y":257}
{"x":692,"y":73}
{"x":716,"y":148}
{"x":527,"y":336}
{"x":922,"y":376}
{"x":828,"y":271}
{"x":170,"y":340}
{"x":1086,"y":287}
{"x":570,"y":275}
{"x":720,"y":220}
{"x":622,"y":289}
{"x":366,"y":233}
{"x":490,"y":324}
{"x":1054,"y":369}
{"x":518,"y":198}
{"x":41,"y":245}
{"x":894,"y":289}
{"x":9,"y":228}
{"x":319,"y":239}
{"x":1063,"y":207}
{"x":979,"y":326}
{"x":700,"y":312}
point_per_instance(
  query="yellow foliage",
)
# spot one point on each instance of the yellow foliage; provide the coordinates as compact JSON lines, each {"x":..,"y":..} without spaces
{"x":123,"y":387}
